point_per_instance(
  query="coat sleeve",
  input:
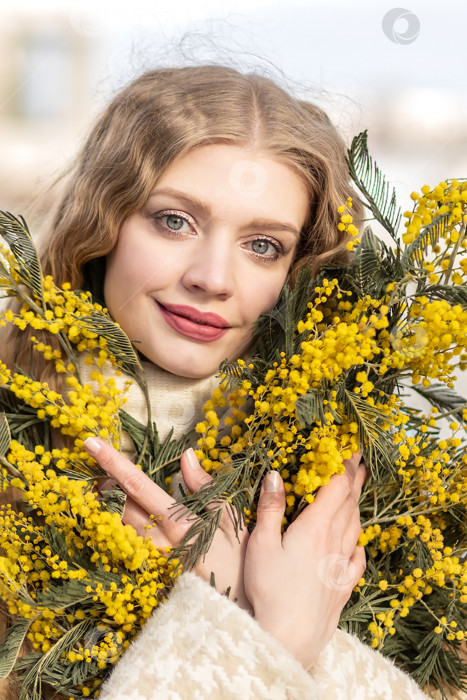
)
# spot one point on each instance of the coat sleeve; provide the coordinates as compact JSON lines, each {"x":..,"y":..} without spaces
{"x":201,"y":646}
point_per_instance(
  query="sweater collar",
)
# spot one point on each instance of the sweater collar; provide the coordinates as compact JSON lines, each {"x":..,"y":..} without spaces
{"x":176,"y":402}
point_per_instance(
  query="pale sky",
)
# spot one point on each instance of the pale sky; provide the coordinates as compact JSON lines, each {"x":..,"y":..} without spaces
{"x":333,"y":44}
{"x":336,"y":52}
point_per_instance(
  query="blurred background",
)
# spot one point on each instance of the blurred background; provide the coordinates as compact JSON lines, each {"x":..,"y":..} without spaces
{"x":397,"y":71}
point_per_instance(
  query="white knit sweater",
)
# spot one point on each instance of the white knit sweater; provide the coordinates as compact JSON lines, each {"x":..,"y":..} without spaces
{"x":201,"y":646}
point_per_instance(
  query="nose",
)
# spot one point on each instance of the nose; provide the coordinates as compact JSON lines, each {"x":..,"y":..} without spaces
{"x":210,"y":268}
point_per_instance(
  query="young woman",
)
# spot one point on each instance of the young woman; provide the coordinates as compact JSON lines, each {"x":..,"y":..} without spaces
{"x":197,"y":192}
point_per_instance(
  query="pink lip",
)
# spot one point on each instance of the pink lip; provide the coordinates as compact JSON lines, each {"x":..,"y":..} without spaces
{"x":206,"y":319}
{"x":193,"y":323}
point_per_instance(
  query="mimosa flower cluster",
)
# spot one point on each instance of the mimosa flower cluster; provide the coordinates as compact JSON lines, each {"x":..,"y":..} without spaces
{"x":306,"y":458}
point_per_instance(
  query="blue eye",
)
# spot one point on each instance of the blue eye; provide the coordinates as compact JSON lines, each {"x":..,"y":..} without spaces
{"x":261,"y":246}
{"x":172,"y":222}
{"x":266,"y":249}
{"x":175,"y":218}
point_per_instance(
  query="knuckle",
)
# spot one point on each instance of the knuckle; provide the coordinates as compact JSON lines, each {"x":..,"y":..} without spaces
{"x":314,"y":538}
{"x":106,"y":458}
{"x":178,"y":530}
{"x":354,"y":496}
{"x":352,"y":500}
{"x":321,"y":531}
{"x":203,"y":477}
{"x":269,"y":503}
{"x":134,"y":483}
{"x":360,"y":563}
{"x":346,"y":482}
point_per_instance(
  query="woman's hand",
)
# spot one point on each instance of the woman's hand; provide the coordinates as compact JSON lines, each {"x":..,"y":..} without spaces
{"x":226,"y":554}
{"x":298,"y":583}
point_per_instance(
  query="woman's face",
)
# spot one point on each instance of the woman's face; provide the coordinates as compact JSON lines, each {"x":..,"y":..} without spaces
{"x":206,"y":255}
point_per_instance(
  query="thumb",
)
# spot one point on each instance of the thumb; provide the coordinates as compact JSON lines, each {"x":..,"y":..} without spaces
{"x":195,"y":477}
{"x":271,"y":503}
{"x":193,"y":474}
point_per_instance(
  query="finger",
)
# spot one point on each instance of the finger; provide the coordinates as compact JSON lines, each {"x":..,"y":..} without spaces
{"x":351,"y":533}
{"x":137,"y":485}
{"x":367,"y":472}
{"x":193,"y":474}
{"x":331,"y":497}
{"x":271,"y":508}
{"x":195,"y":478}
{"x":358,"y":562}
{"x":346,"y":513}
{"x":346,"y":524}
{"x":135,"y":516}
{"x":144,"y":524}
{"x":361,"y":476}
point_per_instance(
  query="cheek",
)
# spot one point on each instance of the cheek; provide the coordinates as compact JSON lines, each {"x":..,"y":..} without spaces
{"x":134,"y":269}
{"x":263,"y":296}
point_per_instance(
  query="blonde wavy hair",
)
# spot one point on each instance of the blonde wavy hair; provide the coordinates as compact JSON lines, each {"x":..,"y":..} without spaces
{"x":159,"y":117}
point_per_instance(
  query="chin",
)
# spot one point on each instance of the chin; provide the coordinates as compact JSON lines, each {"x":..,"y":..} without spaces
{"x":189,"y":368}
{"x":191,"y":372}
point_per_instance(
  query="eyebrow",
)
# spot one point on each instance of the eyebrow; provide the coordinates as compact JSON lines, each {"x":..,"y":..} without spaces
{"x":260,"y":222}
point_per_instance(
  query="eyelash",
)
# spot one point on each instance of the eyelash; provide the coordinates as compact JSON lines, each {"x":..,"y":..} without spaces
{"x":263,"y":258}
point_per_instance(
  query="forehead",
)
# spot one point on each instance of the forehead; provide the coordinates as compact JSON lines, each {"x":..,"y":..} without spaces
{"x":239,"y":178}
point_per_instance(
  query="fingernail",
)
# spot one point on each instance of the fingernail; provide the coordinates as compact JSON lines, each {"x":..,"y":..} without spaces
{"x":271,"y":481}
{"x":92,"y":445}
{"x":192,"y":459}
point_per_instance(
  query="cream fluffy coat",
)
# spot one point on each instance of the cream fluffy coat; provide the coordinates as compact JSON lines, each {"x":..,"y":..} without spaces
{"x":201,"y":646}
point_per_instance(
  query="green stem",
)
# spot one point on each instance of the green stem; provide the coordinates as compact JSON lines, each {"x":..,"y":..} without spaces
{"x":412,"y":512}
{"x":453,"y":255}
{"x":462,"y":407}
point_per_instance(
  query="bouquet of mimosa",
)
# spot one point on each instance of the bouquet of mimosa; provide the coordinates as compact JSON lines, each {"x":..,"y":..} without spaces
{"x":333,"y":369}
